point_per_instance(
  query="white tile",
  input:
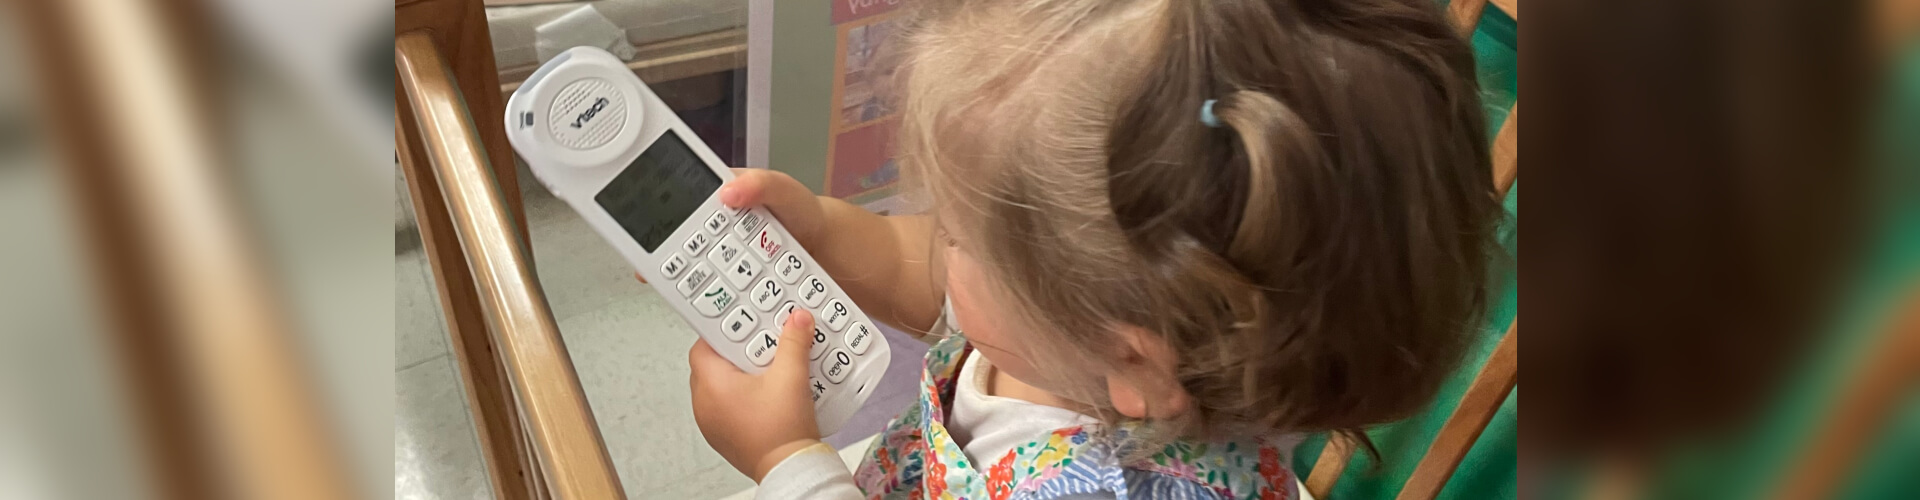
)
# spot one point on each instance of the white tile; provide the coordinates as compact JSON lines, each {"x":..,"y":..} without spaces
{"x":578,"y":269}
{"x":419,"y":330}
{"x":631,"y":356}
{"x":436,"y":454}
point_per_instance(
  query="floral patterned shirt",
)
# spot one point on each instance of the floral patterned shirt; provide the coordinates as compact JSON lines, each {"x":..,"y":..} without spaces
{"x":915,"y":458}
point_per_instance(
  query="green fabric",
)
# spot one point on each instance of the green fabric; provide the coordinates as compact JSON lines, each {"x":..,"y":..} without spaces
{"x":1748,"y":462}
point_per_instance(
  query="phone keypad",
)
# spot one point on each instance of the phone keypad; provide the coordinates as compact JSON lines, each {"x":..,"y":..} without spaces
{"x":738,"y":268}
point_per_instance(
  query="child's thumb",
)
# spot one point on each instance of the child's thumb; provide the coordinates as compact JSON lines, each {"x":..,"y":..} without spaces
{"x":796,"y":337}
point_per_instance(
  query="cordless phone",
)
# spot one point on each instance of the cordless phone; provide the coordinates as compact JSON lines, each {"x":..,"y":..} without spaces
{"x":603,"y":142}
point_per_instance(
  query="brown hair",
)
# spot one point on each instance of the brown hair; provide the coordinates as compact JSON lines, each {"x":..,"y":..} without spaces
{"x":1316,"y":262}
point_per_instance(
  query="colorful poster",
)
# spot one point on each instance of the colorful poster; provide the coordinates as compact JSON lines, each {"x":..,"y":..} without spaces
{"x":860,"y":154}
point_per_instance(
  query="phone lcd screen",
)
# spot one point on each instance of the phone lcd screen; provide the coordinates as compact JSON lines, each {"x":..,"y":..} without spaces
{"x":658,"y":191}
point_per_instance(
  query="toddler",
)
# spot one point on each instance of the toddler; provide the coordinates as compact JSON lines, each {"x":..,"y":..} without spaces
{"x":1163,"y":237}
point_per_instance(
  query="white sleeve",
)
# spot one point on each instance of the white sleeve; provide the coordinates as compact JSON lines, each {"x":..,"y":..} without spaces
{"x":813,"y":472}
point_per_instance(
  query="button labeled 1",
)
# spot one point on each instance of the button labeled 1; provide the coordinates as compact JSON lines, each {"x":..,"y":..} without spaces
{"x":738,"y":324}
{"x":760,"y":349}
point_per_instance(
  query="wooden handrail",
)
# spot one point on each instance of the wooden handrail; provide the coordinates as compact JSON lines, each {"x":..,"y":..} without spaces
{"x":1481,"y":402}
{"x":1506,"y":153}
{"x":572,"y":458}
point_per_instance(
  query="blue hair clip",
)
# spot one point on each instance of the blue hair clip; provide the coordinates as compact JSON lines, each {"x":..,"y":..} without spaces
{"x":1206,"y":114}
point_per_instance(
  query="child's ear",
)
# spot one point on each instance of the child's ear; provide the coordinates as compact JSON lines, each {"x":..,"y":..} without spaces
{"x":1143,"y":384}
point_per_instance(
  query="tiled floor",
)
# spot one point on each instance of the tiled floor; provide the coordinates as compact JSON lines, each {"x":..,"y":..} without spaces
{"x":629,"y":349}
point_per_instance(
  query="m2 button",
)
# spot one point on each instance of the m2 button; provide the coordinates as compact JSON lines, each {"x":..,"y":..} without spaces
{"x":858,"y":338}
{"x":714,"y":300}
{"x":836,"y":366}
{"x":738,"y":324}
{"x":696,"y":243}
{"x":760,"y":349}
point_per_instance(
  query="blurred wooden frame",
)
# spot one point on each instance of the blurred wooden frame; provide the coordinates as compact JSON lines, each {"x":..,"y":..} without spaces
{"x":1498,"y":376}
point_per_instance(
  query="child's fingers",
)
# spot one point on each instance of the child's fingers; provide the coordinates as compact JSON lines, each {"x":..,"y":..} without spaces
{"x":796,"y":337}
{"x":636,"y":275}
{"x":705,"y":362}
{"x":788,"y":199}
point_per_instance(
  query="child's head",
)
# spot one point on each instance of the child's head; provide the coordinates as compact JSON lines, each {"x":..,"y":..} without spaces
{"x":1315,"y":262}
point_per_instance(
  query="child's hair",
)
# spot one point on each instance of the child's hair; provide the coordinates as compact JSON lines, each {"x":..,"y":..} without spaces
{"x":1315,"y":262}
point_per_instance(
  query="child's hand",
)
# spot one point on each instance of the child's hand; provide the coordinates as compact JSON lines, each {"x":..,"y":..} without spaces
{"x":791,"y":202}
{"x":756,"y":421}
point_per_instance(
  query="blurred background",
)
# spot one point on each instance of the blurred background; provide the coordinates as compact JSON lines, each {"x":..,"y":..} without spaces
{"x":212,"y":250}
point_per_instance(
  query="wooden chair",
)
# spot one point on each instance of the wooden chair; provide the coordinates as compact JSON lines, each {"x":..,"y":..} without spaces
{"x":1497,"y":377}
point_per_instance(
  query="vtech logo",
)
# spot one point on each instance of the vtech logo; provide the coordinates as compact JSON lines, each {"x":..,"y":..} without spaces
{"x":599,"y":103}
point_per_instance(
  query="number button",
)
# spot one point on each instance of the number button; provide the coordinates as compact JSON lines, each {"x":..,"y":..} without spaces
{"x":814,"y":292}
{"x":765,"y":294}
{"x":695,"y":278}
{"x":837,"y":366}
{"x":738,"y":324}
{"x":671,"y":269}
{"x":767,"y":243}
{"x":716,"y":222}
{"x":837,"y":314}
{"x":695,"y":243}
{"x":743,"y":272}
{"x":859,"y":338}
{"x":789,"y":267}
{"x":786,"y":311}
{"x":760,"y":349}
{"x":749,"y":223}
{"x":726,"y":251}
{"x":819,"y":343}
{"x":714,"y":300}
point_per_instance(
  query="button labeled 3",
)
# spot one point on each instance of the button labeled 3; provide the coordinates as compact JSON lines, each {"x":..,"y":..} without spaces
{"x":788,"y":267}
